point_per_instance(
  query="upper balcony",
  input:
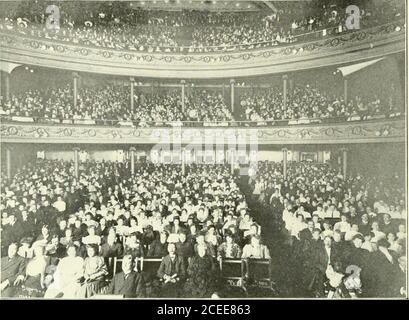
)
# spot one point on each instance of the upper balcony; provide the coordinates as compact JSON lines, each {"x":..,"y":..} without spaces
{"x":309,"y":51}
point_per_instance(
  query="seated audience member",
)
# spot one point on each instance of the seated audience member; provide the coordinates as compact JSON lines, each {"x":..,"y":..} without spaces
{"x":158,"y":248}
{"x":204,"y":278}
{"x":255,"y":249}
{"x":67,"y":276}
{"x":172,"y":272}
{"x":91,"y":238}
{"x":133,"y":246}
{"x":128,"y":283}
{"x":229,"y":249}
{"x":34,"y":283}
{"x":95,"y":271}
{"x":200,"y":240}
{"x":13,"y":271}
{"x":184,"y":248}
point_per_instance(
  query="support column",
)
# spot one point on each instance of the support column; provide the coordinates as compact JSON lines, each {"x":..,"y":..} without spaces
{"x":232,"y":82}
{"x":344,"y":162}
{"x":183,"y":84}
{"x":183,"y":161}
{"x":346,"y":90}
{"x":320,"y":156}
{"x":76,"y":161}
{"x":8,"y":161}
{"x":285,"y":151}
{"x":285,"y":79}
{"x":132,"y":153}
{"x":75,"y":87}
{"x":291,"y":84}
{"x":132,"y":82}
{"x":232,"y":160}
{"x":6,"y":85}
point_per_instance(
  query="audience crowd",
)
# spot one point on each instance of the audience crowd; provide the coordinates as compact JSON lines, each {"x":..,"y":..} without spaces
{"x":60,"y":233}
{"x":117,"y":26}
{"x":308,"y":103}
{"x":110,"y":105}
{"x":343,"y":236}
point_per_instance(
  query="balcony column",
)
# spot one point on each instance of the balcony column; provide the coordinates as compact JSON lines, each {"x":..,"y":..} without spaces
{"x":285,"y":79}
{"x":285,"y":151}
{"x":132,"y":153}
{"x":232,"y":160}
{"x":132,"y":83}
{"x":183,"y":161}
{"x":76,"y":162}
{"x":8,"y":161}
{"x":232,"y":82}
{"x":346,"y":90}
{"x":344,"y":163}
{"x":291,"y":84}
{"x":75,"y":77}
{"x":183,"y":84}
{"x":6,"y":85}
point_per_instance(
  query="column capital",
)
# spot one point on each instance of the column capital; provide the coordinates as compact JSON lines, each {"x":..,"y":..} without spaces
{"x":284,"y":149}
{"x":75,"y":74}
{"x":344,"y":149}
{"x":183,"y":81}
{"x":131,"y":79}
{"x":232,"y":81}
{"x":285,"y":76}
{"x":132,"y":149}
{"x":76,"y":149}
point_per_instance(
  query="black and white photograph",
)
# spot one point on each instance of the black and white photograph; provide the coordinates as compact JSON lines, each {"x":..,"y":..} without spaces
{"x":203,"y":150}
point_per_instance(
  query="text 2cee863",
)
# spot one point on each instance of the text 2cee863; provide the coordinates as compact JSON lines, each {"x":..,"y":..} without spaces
{"x":226,"y":309}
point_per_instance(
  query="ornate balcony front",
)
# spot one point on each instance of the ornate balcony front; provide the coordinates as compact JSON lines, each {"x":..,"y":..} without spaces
{"x":346,"y":47}
{"x":368,"y":131}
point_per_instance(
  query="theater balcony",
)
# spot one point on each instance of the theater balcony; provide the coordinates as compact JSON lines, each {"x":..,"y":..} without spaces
{"x":311,"y":51}
{"x":346,"y":132}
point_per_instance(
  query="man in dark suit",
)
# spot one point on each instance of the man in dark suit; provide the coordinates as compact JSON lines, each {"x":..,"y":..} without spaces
{"x":13,"y":269}
{"x":172,"y":272}
{"x":128,"y":283}
{"x":306,"y":234}
{"x":324,"y":255}
{"x":12,"y":232}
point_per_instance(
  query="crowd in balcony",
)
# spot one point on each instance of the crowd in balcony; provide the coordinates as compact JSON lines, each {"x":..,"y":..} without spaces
{"x":117,"y":26}
{"x":309,"y":104}
{"x":59,"y":231}
{"x":110,"y":105}
{"x":345,"y":236}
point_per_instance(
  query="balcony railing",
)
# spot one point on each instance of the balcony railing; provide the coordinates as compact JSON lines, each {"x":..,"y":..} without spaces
{"x":187,"y":124}
{"x":286,"y":40}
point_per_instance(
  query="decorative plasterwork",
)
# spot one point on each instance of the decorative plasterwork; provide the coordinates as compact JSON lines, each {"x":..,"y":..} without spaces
{"x":348,"y":132}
